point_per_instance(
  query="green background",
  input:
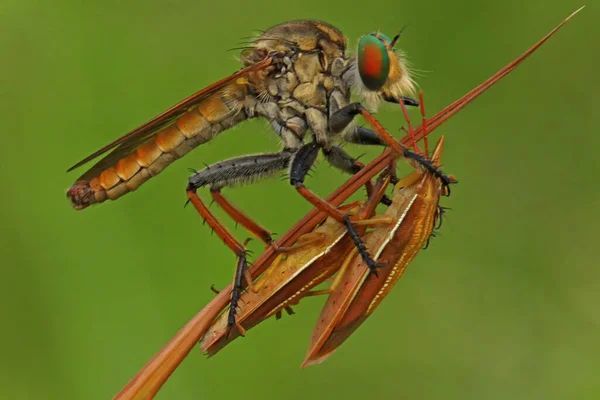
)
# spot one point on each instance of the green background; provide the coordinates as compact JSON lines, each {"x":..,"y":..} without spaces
{"x":504,"y":305}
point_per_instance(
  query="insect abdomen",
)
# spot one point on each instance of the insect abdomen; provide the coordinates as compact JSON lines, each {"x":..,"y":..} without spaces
{"x":198,"y":125}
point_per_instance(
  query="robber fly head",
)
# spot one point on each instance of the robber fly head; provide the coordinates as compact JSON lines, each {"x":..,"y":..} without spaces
{"x":381,"y":70}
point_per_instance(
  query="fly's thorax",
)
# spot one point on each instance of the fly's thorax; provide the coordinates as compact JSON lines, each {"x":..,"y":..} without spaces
{"x":297,"y":36}
{"x":300,"y":97}
{"x":307,"y":68}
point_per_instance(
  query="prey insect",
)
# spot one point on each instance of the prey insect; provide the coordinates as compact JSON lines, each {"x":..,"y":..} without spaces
{"x":356,"y":292}
{"x":152,"y":376}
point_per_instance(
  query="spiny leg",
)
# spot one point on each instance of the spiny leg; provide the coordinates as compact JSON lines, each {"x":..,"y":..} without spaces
{"x":301,"y":164}
{"x":340,"y":119}
{"x":421,"y":159}
{"x":237,"y":215}
{"x":238,"y":248}
{"x":236,"y":293}
{"x":366,"y":211}
{"x":340,"y":159}
{"x":240,"y":169}
{"x":244,"y":169}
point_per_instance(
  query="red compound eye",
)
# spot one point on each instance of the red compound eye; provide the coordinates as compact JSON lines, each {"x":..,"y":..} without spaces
{"x":373,"y":62}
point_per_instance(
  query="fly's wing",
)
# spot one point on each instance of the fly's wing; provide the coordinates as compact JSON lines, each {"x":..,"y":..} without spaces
{"x":126,"y":144}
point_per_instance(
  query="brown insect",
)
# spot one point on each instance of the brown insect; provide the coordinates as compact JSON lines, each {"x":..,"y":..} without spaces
{"x":353,"y":297}
{"x":297,"y":75}
{"x":148,"y":381}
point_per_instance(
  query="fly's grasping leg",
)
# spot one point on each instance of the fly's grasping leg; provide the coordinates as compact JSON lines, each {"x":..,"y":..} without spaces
{"x":301,"y":164}
{"x":340,"y":119}
{"x":243,"y":169}
{"x":237,"y":215}
{"x":238,"y":248}
{"x":338,"y":158}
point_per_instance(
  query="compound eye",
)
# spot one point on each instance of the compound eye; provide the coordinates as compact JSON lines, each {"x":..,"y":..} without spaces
{"x":373,"y":62}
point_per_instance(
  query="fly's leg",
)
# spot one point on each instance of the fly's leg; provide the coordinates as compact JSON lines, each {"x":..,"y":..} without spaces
{"x":301,"y":164}
{"x":237,"y":170}
{"x":238,"y":248}
{"x":236,"y":293}
{"x":367,"y":210}
{"x":340,"y":119}
{"x":317,"y":122}
{"x":244,"y":169}
{"x":237,"y":215}
{"x":338,"y":158}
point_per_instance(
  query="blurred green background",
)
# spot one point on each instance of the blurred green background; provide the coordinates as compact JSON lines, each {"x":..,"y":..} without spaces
{"x":503,"y":305}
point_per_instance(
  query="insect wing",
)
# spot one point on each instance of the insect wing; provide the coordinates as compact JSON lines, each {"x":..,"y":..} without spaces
{"x":131,"y":140}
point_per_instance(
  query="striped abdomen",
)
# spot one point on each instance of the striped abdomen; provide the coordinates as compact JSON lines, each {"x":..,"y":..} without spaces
{"x":137,"y":160}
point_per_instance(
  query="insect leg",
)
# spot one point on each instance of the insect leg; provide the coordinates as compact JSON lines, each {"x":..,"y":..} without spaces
{"x":237,"y":215}
{"x":342,"y":118}
{"x":405,"y":100}
{"x":238,"y":248}
{"x":345,"y":115}
{"x":226,"y":173}
{"x":338,"y":158}
{"x":301,"y":164}
{"x":244,"y":169}
{"x":364,"y":136}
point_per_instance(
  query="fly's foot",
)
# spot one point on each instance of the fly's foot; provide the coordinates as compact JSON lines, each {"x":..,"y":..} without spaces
{"x":236,"y":291}
{"x":373,"y":266}
{"x":441,"y":211}
{"x":238,"y":327}
{"x":447,"y":180}
{"x":362,"y":249}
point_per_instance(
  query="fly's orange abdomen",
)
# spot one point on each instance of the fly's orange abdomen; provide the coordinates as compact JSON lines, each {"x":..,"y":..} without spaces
{"x":136,"y":161}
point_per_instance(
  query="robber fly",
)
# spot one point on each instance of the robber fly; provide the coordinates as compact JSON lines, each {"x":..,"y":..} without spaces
{"x":298,"y":76}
